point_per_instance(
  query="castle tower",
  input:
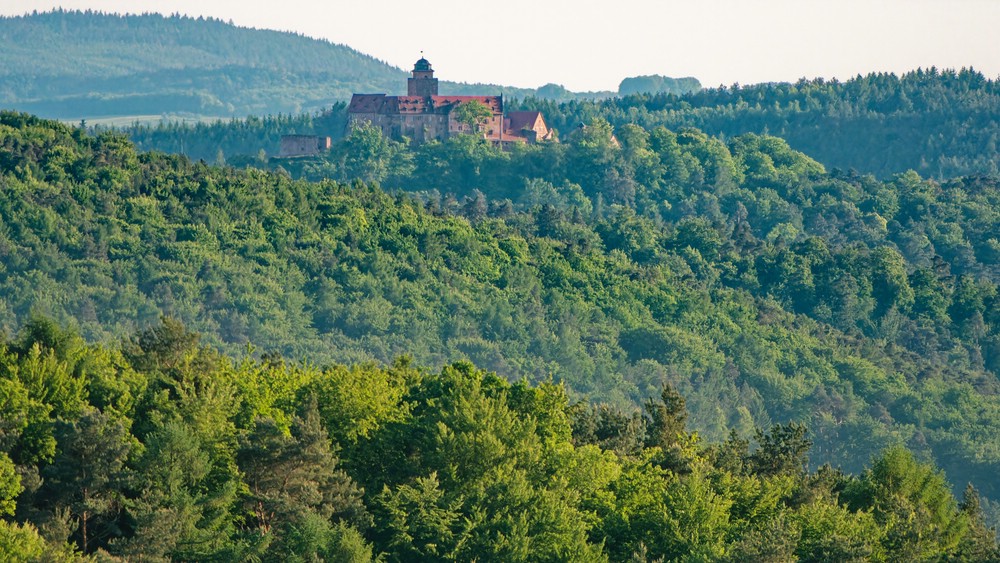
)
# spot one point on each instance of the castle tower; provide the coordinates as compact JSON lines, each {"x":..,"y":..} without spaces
{"x":422,"y":83}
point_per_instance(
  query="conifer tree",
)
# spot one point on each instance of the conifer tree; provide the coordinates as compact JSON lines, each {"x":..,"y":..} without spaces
{"x":87,"y":475}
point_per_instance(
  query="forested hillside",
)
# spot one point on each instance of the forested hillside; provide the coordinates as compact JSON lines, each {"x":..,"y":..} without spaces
{"x":74,"y":65}
{"x":762,"y":287}
{"x":941,"y":123}
{"x":160,"y":449}
{"x":69,"y":64}
{"x":242,"y":141}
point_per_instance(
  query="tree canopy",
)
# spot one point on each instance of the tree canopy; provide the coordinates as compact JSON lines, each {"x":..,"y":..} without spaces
{"x":454,"y":464}
{"x":771,"y":316}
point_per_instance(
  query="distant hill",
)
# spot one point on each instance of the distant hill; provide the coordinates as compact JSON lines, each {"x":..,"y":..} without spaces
{"x":72,"y":65}
{"x":657,"y":84}
{"x":940,"y":123}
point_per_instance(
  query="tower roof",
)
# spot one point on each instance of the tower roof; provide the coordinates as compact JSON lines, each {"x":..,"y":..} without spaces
{"x":422,"y":64}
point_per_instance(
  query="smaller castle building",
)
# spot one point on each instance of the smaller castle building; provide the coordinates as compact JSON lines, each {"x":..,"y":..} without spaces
{"x":293,"y":146}
{"x":424,"y":115}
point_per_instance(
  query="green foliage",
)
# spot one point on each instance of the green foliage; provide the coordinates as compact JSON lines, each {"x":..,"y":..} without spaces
{"x":183,"y":507}
{"x":829,"y":532}
{"x":656,"y":84}
{"x":610,"y":428}
{"x":367,"y":155}
{"x":767,"y":293}
{"x":781,"y":451}
{"x":458,"y":464}
{"x":20,"y":543}
{"x":250,"y":141}
{"x":415,"y":523}
{"x":362,"y":400}
{"x":291,"y":476}
{"x":666,"y":428}
{"x":10,"y":485}
{"x":473,"y":114}
{"x":980,"y":544}
{"x":671,"y":516}
{"x":481,"y":485}
{"x":940,"y":123}
{"x":913,"y":503}
{"x":758,"y":286}
{"x":84,"y":477}
{"x":72,"y":64}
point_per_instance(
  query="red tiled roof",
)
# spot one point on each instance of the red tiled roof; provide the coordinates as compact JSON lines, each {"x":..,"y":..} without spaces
{"x":366,"y":103}
{"x":407,"y":104}
{"x":522,"y":120}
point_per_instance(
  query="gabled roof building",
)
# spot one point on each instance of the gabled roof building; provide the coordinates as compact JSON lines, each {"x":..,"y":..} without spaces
{"x":423,"y":115}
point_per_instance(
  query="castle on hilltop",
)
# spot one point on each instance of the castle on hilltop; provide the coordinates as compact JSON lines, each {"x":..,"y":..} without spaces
{"x":423,"y":115}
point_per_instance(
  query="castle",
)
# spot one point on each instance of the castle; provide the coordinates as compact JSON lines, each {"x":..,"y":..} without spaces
{"x":293,"y":146}
{"x":423,"y":115}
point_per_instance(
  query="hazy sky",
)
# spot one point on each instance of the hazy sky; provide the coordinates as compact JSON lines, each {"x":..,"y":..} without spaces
{"x":592,"y":45}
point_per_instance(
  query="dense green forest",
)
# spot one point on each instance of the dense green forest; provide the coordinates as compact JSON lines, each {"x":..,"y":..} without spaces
{"x":73,"y":65}
{"x":162,"y":449}
{"x":941,"y":124}
{"x":760,"y":286}
{"x":253,"y":139}
{"x":669,"y":336}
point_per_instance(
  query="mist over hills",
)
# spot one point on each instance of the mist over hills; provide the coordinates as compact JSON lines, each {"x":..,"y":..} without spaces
{"x":71,"y":65}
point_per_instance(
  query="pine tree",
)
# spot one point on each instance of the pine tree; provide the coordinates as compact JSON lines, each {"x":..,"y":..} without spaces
{"x":87,"y":475}
{"x":291,"y":477}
